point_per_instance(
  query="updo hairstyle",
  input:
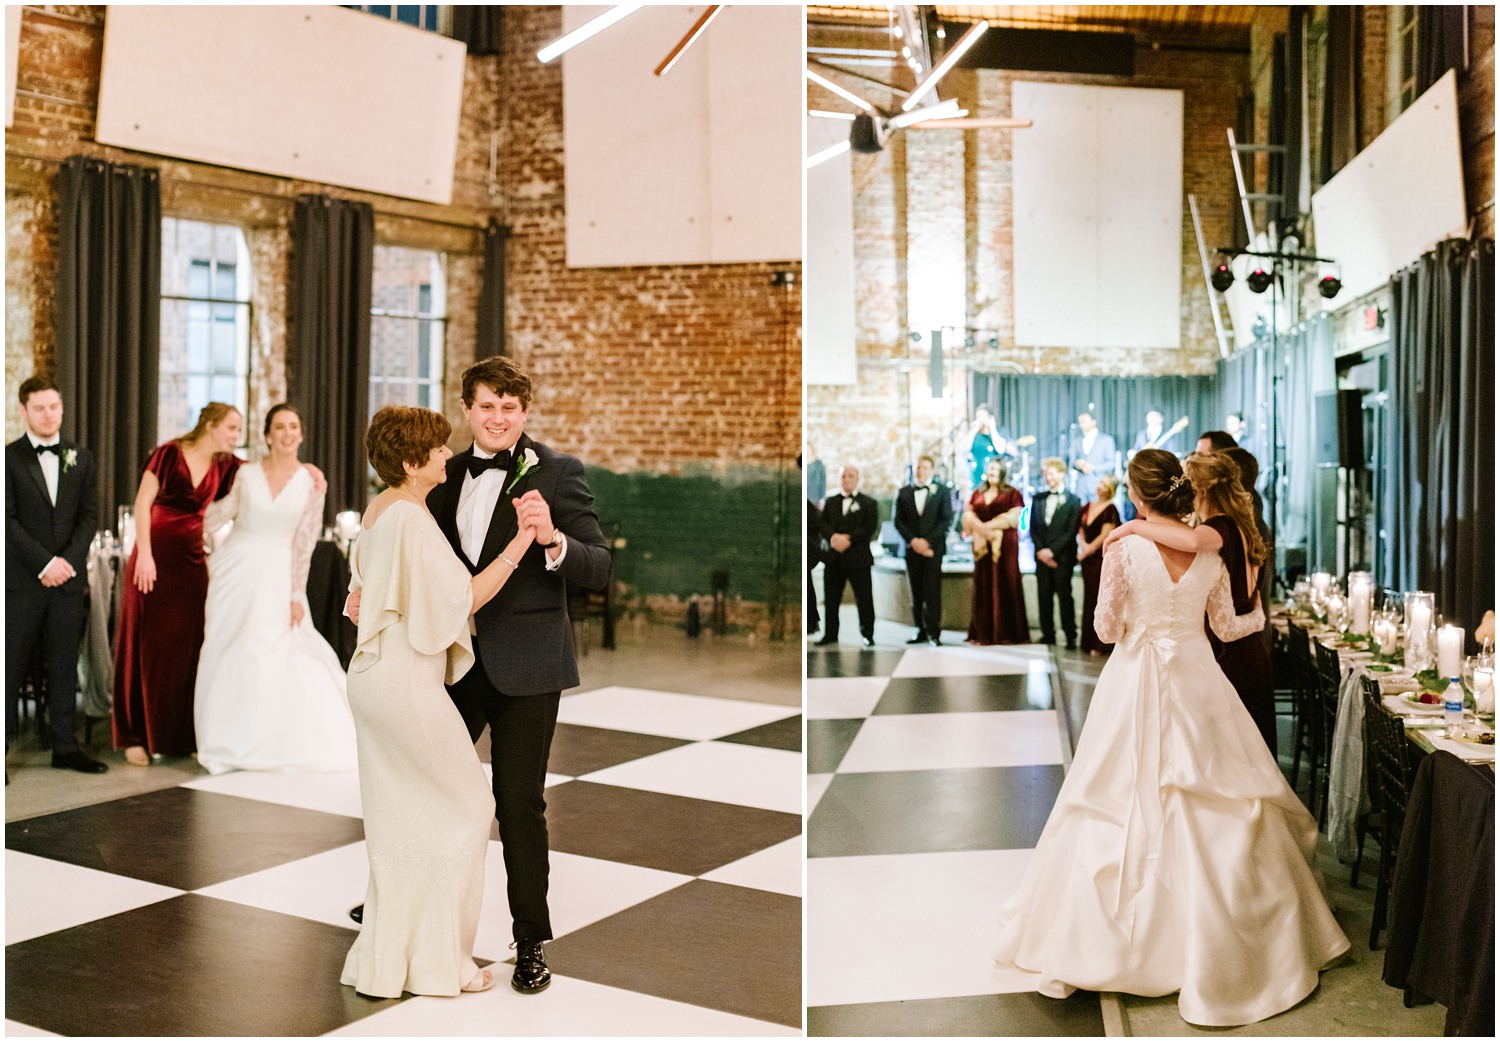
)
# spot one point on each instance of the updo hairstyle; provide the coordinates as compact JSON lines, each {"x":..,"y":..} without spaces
{"x":1159,"y":483}
{"x":1215,"y":478}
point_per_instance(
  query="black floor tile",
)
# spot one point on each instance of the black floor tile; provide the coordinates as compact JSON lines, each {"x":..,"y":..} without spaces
{"x":985,"y":694}
{"x":191,"y":965}
{"x":1021,"y":1014}
{"x":827,"y":742}
{"x":672,"y":947}
{"x":577,"y":749}
{"x":183,"y":838}
{"x":851,"y":662}
{"x":919,"y":812}
{"x":778,"y":734}
{"x":656,"y":830}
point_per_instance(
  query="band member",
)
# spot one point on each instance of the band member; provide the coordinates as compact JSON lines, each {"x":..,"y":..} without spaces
{"x":1092,"y":451}
{"x":981,"y":443}
{"x":924,"y":514}
{"x":1157,"y":436}
{"x":1236,"y":427}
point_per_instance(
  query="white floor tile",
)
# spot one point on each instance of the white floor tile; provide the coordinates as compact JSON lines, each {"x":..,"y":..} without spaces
{"x":909,"y":926}
{"x":568,"y":1008}
{"x":722,"y":771}
{"x":777,"y":868}
{"x":43,"y":896}
{"x":580,"y":891}
{"x":692,"y":717}
{"x":927,"y":741}
{"x":967,"y":661}
{"x":552,"y":779}
{"x":15,"y":1028}
{"x":334,"y":792}
{"x":843,"y":698}
{"x":817,"y":785}
{"x":322,"y":888}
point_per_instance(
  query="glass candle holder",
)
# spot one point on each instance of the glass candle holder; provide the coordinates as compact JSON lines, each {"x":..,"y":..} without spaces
{"x":1419,"y":619}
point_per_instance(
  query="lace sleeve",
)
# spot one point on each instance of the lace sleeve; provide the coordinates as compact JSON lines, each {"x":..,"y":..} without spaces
{"x":303,"y":541}
{"x":222,"y":511}
{"x":1228,"y":626}
{"x":1109,"y":616}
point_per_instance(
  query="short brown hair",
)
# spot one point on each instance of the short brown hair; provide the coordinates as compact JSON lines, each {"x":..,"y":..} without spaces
{"x":400,"y":434}
{"x":34,"y":384}
{"x":1218,"y":441}
{"x":501,"y":375}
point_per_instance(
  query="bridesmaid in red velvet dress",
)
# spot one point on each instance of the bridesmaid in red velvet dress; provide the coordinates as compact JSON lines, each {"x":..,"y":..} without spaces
{"x":166,"y":584}
{"x":998,"y":613}
{"x":1099,"y":518}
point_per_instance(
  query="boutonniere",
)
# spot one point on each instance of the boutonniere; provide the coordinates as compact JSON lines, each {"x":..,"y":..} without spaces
{"x":528,"y":463}
{"x":853,"y":506}
{"x":70,"y":458}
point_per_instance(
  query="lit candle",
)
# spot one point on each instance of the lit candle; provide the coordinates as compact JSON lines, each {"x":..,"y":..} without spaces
{"x":1450,"y":651}
{"x":1320,"y":581}
{"x":1420,"y":620}
{"x":1385,"y":633}
{"x":1361,"y":593}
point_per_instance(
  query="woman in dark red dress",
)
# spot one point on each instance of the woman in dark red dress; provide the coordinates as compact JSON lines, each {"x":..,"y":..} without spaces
{"x":998,"y":613}
{"x":166,"y":583}
{"x":1227,"y":527}
{"x":1099,"y":519}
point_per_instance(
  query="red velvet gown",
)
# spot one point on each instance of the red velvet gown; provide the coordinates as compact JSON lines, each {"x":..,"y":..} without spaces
{"x":1091,"y":566}
{"x":161,"y":632}
{"x":1247,"y":661}
{"x":998,"y":614}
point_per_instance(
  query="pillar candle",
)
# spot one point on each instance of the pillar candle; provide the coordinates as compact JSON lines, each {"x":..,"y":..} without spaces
{"x":1361,"y":595}
{"x":1320,"y":581}
{"x":1421,"y":619}
{"x":1450,"y":651}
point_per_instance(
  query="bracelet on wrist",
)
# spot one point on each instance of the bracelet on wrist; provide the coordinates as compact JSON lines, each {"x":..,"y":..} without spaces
{"x":508,"y":561}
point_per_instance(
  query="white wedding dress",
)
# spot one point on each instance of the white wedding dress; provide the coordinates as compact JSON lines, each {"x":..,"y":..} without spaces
{"x":1176,"y":858}
{"x":269,"y":696}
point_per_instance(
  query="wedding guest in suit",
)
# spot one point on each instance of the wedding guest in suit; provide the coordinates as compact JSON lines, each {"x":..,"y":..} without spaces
{"x":1099,"y":519}
{"x":924,"y":514}
{"x":997,"y":614}
{"x":1214,"y":441}
{"x":50,"y":516}
{"x":1054,"y":528}
{"x":850,"y":522}
{"x":1093,"y":452}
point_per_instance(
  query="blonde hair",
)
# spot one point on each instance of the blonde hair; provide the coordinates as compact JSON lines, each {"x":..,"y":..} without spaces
{"x":1113,"y":483}
{"x":1216,"y":478}
{"x":211,"y":415}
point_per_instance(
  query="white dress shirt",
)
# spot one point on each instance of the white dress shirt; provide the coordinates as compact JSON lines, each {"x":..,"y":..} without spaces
{"x":51,"y":463}
{"x":921,"y":498}
{"x":1088,"y":441}
{"x":476,"y":506}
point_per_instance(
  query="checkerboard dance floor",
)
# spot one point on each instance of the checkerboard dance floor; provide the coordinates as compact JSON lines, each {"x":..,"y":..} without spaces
{"x":930,"y":775}
{"x":220,"y":907}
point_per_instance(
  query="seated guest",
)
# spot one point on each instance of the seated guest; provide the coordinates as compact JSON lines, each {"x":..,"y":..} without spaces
{"x":51,"y":506}
{"x":1054,"y":530}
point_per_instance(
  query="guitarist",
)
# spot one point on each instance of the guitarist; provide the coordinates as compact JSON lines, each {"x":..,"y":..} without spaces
{"x":1154,"y":436}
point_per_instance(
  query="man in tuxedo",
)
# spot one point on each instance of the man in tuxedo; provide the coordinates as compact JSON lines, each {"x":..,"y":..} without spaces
{"x":523,"y":638}
{"x":1093,"y":453}
{"x":924,"y":514}
{"x":50,"y":514}
{"x":1055,"y":515}
{"x":850,"y":521}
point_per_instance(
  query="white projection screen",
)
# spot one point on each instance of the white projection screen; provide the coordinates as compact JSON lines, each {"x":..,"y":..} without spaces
{"x":701,"y":165}
{"x":316,"y":93}
{"x":1098,"y":216}
{"x":12,"y":53}
{"x":828,"y":353}
{"x":1396,"y":199}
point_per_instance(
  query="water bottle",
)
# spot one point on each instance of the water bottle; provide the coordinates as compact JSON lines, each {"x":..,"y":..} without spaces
{"x":1453,"y":708}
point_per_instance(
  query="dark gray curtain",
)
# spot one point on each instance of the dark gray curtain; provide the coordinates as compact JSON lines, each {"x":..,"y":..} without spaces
{"x":1048,"y":406}
{"x":1341,"y":85}
{"x":491,"y":339}
{"x":1440,"y":507}
{"x":478,"y":26}
{"x":109,"y":317}
{"x":328,"y":363}
{"x":1440,"y":42}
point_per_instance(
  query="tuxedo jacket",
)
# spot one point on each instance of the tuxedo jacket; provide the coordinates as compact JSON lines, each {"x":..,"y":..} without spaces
{"x":1060,"y":536}
{"x":860,"y":524}
{"x":35,"y":530}
{"x":525,"y":637}
{"x":932,"y":523}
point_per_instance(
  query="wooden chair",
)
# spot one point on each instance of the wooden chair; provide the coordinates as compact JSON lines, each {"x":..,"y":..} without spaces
{"x":1326,"y":680}
{"x":1309,"y":736}
{"x":1389,"y":773}
{"x":1284,"y":687}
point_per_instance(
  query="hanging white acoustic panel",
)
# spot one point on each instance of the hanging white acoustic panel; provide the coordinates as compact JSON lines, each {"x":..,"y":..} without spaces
{"x":12,"y":53}
{"x":1098,"y":216}
{"x":317,"y":93}
{"x":828,"y":353}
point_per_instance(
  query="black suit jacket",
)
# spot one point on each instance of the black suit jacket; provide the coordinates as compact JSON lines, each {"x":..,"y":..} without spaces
{"x":860,"y":525}
{"x":932,"y":523}
{"x":525,"y":637}
{"x":35,"y":530}
{"x":1061,"y":535}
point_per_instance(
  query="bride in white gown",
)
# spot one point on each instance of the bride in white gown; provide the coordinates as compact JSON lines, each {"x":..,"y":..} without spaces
{"x":270,"y":691}
{"x":1176,"y":858}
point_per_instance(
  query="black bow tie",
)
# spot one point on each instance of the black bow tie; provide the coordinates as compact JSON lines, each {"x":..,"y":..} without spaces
{"x":499,"y":461}
{"x":54,"y":448}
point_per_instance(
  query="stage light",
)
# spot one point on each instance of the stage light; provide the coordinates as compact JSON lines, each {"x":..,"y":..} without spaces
{"x":1222,"y":278}
{"x":1258,"y":280}
{"x":916,"y":337}
{"x":1329,"y":286}
{"x":867,"y":134}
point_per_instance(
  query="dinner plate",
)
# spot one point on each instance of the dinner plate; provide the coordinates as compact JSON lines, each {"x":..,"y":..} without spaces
{"x":1471,"y":737}
{"x":1420,"y":707}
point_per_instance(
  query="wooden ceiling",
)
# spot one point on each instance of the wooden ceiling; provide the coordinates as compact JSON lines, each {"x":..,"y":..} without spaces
{"x":1172,"y":20}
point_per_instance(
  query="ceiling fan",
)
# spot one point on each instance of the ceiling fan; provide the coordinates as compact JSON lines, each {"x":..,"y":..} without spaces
{"x":872,"y":126}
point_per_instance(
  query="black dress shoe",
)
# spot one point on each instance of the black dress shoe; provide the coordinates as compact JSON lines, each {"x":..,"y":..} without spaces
{"x":868,"y":642}
{"x":531,"y":974}
{"x":935,"y":642}
{"x":825,"y":642}
{"x":80,"y":762}
{"x":357,"y":913}
{"x":1071,"y":645}
{"x":920,"y":638}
